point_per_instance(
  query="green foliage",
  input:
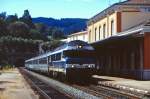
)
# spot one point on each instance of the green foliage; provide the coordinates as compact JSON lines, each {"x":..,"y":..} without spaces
{"x":3,"y":15}
{"x":6,"y":67}
{"x":13,"y":47}
{"x":20,"y":38}
{"x":19,"y":29}
{"x":10,"y":39}
{"x":3,"y":27}
{"x":11,"y":19}
{"x":36,"y":35}
{"x":41,"y":27}
{"x":51,"y":45}
{"x":26,"y":18}
{"x":55,"y":33}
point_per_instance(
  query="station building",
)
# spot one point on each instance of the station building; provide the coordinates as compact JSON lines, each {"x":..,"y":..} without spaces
{"x":83,"y":36}
{"x":121,"y":37}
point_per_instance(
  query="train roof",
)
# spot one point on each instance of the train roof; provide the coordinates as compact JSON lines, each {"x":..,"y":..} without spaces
{"x":77,"y":42}
{"x":37,"y":57}
{"x":73,"y":45}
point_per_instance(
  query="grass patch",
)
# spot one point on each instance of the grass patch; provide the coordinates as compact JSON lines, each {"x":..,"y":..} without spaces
{"x":6,"y":67}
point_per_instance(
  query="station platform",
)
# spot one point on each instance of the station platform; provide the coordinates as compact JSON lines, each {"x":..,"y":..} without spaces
{"x":130,"y":85}
{"x":14,"y":86}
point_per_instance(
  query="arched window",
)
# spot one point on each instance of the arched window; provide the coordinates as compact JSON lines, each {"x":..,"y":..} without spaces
{"x":104,"y":30}
{"x":112,"y":27}
{"x":99,"y":32}
{"x":89,"y":35}
{"x":95,"y":34}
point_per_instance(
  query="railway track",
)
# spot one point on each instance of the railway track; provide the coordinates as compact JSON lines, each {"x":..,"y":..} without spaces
{"x":114,"y":93}
{"x":108,"y":93}
{"x":100,"y":92}
{"x":42,"y":89}
{"x":93,"y":92}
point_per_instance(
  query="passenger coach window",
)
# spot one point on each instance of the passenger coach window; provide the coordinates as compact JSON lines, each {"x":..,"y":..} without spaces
{"x":49,"y":58}
{"x":58,"y":56}
{"x":53,"y":57}
{"x":43,"y":61}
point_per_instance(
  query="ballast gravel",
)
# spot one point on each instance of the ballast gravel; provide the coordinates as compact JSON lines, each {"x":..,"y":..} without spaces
{"x":64,"y":88}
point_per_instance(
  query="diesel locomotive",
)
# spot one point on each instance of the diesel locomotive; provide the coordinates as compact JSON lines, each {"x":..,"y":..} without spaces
{"x":72,"y":61}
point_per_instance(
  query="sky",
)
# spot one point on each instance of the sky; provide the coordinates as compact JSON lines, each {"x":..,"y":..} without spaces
{"x":55,"y":8}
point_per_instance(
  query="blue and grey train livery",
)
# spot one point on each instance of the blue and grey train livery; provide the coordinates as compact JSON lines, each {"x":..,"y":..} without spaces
{"x":72,"y":60}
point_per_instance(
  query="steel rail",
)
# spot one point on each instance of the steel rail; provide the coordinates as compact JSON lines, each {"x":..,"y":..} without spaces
{"x":42,"y":88}
{"x":33,"y":85}
{"x":93,"y":92}
{"x":107,"y":93}
{"x":99,"y":91}
{"x":114,"y":93}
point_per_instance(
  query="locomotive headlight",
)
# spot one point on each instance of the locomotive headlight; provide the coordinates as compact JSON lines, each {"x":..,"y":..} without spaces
{"x":80,"y":46}
{"x":89,"y":66}
{"x":72,"y":66}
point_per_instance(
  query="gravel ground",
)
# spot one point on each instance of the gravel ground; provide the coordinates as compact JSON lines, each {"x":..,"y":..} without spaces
{"x":13,"y":86}
{"x":78,"y":94}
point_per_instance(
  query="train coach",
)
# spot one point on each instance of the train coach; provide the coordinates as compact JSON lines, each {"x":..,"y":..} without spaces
{"x":72,"y":61}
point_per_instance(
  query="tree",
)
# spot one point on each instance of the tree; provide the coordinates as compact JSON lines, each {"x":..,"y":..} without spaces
{"x":26,"y":18}
{"x":55,"y":33}
{"x":3,"y":15}
{"x":13,"y":47}
{"x":11,"y":18}
{"x":19,"y":29}
{"x":51,"y":45}
{"x":3,"y":29}
{"x":42,"y":28}
{"x":36,"y":35}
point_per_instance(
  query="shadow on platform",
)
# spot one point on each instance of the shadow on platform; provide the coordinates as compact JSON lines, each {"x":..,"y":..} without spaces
{"x":1,"y":82}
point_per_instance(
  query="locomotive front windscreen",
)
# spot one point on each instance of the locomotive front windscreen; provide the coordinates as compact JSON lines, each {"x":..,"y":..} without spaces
{"x":79,"y":54}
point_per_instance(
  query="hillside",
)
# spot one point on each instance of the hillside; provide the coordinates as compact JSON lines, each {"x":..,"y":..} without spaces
{"x":69,"y":25}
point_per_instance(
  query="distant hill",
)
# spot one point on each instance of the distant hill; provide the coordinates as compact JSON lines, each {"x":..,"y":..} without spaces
{"x":69,"y":25}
